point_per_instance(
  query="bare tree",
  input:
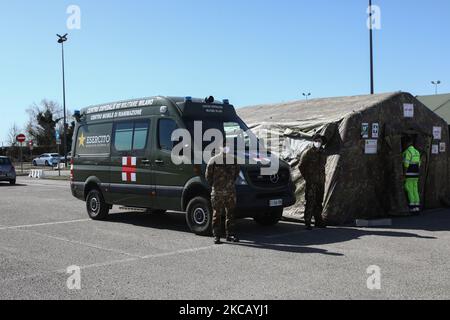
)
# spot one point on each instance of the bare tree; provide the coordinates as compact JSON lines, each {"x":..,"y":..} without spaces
{"x":13,"y":132}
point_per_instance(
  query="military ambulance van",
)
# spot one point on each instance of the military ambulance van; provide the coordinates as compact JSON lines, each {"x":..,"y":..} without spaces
{"x":122,"y":155}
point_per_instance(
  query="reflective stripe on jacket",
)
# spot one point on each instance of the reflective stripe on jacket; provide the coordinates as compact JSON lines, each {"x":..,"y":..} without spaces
{"x":412,"y":162}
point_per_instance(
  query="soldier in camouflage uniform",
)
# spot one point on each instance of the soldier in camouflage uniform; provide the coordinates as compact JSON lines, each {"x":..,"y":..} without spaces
{"x":221,"y":174}
{"x":312,"y":168}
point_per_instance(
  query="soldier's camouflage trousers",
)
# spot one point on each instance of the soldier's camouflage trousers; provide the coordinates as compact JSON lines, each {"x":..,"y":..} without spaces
{"x":223,"y":203}
{"x":314,"y":202}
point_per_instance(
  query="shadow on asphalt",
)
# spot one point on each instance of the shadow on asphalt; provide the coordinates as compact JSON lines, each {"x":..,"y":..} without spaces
{"x":284,"y":237}
{"x":433,"y":221}
{"x":166,"y":221}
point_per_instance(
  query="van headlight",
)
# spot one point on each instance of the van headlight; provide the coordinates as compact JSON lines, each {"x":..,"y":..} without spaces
{"x":241,"y":181}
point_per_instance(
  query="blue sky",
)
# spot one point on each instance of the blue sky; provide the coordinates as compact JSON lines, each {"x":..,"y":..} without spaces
{"x":252,"y":51}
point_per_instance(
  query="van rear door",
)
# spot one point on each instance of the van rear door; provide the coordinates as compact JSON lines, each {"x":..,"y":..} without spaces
{"x":131,"y":178}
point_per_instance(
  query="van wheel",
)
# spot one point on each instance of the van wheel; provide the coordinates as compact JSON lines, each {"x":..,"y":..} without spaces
{"x":12,"y":182}
{"x":96,"y":207}
{"x":199,"y":216}
{"x":269,"y":218}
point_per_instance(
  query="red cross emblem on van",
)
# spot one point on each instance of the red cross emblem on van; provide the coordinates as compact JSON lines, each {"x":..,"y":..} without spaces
{"x":129,"y":169}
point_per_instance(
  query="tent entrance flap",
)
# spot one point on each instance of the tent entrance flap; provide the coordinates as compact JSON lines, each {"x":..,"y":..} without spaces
{"x":397,"y":204}
{"x":397,"y":197}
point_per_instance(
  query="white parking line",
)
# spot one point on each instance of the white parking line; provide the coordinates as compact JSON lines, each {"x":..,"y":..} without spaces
{"x":192,"y":250}
{"x":111,"y":263}
{"x":148,"y":257}
{"x":84,"y":244}
{"x":32,"y":184}
{"x":43,"y":224}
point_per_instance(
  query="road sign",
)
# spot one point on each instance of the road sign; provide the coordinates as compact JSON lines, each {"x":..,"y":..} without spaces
{"x":58,"y":138}
{"x":21,"y":138}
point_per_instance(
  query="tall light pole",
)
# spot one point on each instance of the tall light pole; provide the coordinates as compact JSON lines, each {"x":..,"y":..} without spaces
{"x":436,"y":84}
{"x":306,"y":95}
{"x":372,"y":86}
{"x":61,"y":40}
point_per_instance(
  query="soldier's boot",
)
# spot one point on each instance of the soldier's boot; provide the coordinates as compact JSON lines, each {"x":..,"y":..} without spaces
{"x":320,"y":224}
{"x":217,"y":240}
{"x":232,"y":239}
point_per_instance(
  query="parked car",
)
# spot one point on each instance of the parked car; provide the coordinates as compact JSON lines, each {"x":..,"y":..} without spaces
{"x":7,"y":170}
{"x":47,"y":159}
{"x":69,"y":157}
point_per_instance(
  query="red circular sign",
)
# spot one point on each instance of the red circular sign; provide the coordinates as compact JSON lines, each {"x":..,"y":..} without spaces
{"x":21,"y":138}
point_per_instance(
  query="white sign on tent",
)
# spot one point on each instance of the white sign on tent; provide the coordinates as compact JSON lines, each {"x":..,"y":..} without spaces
{"x":408,"y":110}
{"x":435,"y":149}
{"x":375,"y":130}
{"x":437,"y":133}
{"x":371,"y":147}
{"x":442,"y":147}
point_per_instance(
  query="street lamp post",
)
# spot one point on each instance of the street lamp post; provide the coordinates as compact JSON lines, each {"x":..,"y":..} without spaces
{"x":372,"y":86}
{"x":58,"y":143}
{"x":436,"y":84}
{"x":61,"y":40}
{"x":306,"y":95}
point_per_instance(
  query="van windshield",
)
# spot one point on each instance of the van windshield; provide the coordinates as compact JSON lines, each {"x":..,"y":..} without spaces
{"x":234,"y":129}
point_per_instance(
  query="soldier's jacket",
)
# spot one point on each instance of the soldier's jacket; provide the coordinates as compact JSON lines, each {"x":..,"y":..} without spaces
{"x":312,"y":165}
{"x":222,"y":176}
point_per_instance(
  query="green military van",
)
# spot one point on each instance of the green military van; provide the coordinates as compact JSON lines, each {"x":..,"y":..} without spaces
{"x":122,"y":155}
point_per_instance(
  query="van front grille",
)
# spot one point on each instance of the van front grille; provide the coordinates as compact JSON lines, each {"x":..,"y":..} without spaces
{"x":275,"y":181}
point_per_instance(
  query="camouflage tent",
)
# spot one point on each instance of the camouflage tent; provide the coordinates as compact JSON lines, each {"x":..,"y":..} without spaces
{"x":364,"y":154}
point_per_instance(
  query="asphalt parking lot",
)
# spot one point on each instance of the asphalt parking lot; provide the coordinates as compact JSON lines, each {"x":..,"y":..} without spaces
{"x":43,"y":231}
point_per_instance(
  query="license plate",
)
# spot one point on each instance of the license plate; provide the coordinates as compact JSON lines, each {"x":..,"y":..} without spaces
{"x":276,"y":203}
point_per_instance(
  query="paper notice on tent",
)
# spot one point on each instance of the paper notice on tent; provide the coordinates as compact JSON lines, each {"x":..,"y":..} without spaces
{"x":435,"y":149}
{"x":371,"y":147}
{"x":365,"y":130}
{"x":442,"y":147}
{"x":437,"y":133}
{"x":375,"y":131}
{"x":408,"y":110}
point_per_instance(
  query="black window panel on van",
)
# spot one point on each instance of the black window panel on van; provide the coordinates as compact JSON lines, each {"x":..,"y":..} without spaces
{"x":140,"y":135}
{"x":165,"y":129}
{"x":131,"y":136}
{"x":123,"y":136}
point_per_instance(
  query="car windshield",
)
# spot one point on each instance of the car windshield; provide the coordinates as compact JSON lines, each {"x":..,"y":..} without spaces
{"x":5,"y":162}
{"x":55,"y":155}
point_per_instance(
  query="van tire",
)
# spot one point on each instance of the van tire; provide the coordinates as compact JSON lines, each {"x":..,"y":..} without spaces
{"x":12,"y":182}
{"x":96,"y":206}
{"x":199,"y":216}
{"x":269,"y":218}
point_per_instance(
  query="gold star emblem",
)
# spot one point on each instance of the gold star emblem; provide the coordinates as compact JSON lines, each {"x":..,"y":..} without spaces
{"x":81,"y":140}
